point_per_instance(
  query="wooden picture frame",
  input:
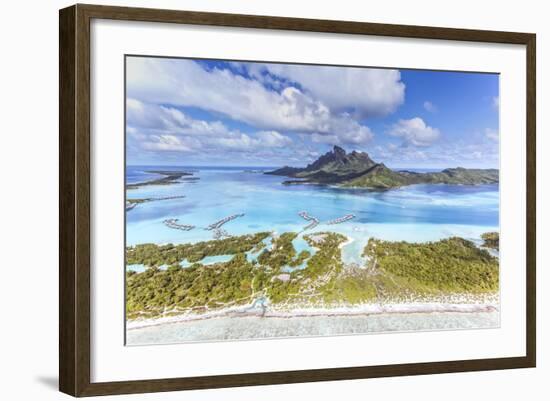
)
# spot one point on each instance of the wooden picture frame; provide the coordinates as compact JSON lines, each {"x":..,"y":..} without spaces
{"x":74,"y":199}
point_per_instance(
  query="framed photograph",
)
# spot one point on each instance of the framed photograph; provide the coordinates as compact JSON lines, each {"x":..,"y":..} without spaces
{"x":250,"y":200}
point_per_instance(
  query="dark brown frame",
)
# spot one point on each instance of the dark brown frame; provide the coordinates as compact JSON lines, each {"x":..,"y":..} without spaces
{"x":74,"y":199}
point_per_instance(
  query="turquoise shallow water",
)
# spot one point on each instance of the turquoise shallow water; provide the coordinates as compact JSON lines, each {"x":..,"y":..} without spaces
{"x":241,"y":328}
{"x":209,"y":260}
{"x":414,"y":213}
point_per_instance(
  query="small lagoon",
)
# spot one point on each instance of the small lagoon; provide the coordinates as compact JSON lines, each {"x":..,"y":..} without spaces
{"x":208,"y":260}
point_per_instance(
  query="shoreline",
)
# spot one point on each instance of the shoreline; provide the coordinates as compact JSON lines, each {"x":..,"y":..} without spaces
{"x":458,"y":304}
{"x":168,"y":177}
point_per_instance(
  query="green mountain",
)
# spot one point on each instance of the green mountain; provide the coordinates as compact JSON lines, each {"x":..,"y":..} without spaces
{"x":358,"y":170}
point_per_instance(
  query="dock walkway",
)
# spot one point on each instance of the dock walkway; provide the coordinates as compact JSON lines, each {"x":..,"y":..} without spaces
{"x":173,"y":223}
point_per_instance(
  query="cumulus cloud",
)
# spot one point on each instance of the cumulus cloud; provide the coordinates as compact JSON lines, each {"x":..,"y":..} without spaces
{"x":171,"y":143}
{"x":273,"y":139}
{"x":349,"y":133}
{"x":414,"y":132}
{"x":477,"y":154}
{"x":325,"y":106}
{"x":243,"y":142}
{"x":162,"y":128}
{"x":492,"y":134}
{"x":430,"y":107}
{"x":365,"y":92}
{"x":442,"y":154}
{"x":162,"y":119}
{"x":392,"y":146}
{"x":328,"y":139}
{"x":496,"y":102}
{"x":186,"y":83}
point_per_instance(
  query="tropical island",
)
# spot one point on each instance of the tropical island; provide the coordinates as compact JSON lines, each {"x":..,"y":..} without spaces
{"x":449,"y":271}
{"x":308,"y":200}
{"x":358,"y":170}
{"x":144,"y":200}
{"x":168,"y":178}
{"x":131,"y":203}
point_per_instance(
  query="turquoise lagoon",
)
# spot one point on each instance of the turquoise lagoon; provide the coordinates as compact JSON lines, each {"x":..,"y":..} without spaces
{"x":415,"y":213}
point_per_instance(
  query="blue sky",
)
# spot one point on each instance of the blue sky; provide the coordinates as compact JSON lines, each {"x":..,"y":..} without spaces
{"x":197,"y":112}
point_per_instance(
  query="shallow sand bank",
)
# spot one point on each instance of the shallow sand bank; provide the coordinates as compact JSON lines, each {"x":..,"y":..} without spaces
{"x":466,"y":303}
{"x":257,"y":327}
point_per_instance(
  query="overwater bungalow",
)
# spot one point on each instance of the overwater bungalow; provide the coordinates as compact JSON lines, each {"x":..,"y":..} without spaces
{"x":219,"y":223}
{"x":169,"y":197}
{"x":314,"y":221}
{"x":173,"y":223}
{"x":341,"y":219}
{"x":306,"y":216}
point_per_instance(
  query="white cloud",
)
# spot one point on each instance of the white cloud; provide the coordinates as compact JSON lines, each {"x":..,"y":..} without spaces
{"x":430,"y":107}
{"x":168,"y":143}
{"x":351,"y":132}
{"x":329,"y":139}
{"x":366,"y":92}
{"x":496,"y":102}
{"x":262,"y":139}
{"x":492,"y":134}
{"x":476,"y":154}
{"x":161,"y":128}
{"x":273,"y":139}
{"x":414,"y":132}
{"x":186,"y":83}
{"x":161,"y":119}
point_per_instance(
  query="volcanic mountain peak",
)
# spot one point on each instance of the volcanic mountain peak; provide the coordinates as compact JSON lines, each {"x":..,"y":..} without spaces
{"x":357,"y":169}
{"x":338,"y":158}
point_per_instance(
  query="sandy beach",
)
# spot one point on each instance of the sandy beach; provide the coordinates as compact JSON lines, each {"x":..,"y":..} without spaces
{"x":458,"y":303}
{"x":312,"y":324}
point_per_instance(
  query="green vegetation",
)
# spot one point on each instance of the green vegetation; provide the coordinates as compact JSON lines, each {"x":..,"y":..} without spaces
{"x":315,"y":281}
{"x":491,"y":240}
{"x":281,"y":254}
{"x":450,"y":265}
{"x":158,"y":255}
{"x":235,"y":282}
{"x":139,"y":200}
{"x":395,"y":270}
{"x":194,"y":288}
{"x":327,"y":257}
{"x":378,"y":177}
{"x":353,"y":288}
{"x":301,"y":258}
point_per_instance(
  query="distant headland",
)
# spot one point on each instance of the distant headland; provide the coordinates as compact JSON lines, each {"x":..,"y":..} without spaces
{"x":168,"y":177}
